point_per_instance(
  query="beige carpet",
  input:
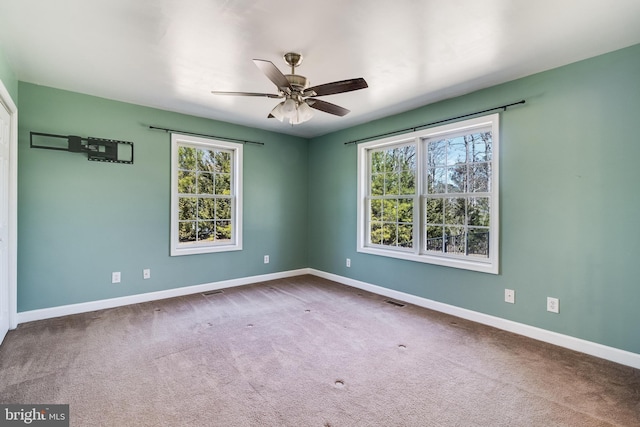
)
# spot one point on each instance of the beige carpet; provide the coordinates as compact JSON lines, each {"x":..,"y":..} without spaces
{"x":305,"y":352}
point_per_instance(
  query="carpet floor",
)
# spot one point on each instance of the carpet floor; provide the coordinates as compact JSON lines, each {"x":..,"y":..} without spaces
{"x":305,"y":351}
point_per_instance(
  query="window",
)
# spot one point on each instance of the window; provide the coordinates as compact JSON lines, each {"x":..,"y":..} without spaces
{"x":206,"y":195}
{"x":432,"y":196}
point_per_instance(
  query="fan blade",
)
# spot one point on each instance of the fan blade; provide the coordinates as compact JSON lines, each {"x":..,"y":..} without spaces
{"x":273,"y":73}
{"x":266,"y":95}
{"x":327,"y":107}
{"x":337,"y":87}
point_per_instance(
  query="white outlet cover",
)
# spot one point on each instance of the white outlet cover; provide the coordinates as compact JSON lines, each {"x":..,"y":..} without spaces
{"x":510,"y":296}
{"x":553,"y":305}
{"x":115,"y":277}
{"x":146,"y":273}
{"x":266,"y":259}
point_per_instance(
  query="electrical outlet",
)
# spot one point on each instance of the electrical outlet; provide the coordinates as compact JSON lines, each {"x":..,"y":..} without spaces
{"x":266,"y":259}
{"x":146,"y":273}
{"x":510,"y":296}
{"x":348,"y":262}
{"x":553,"y":305}
{"x":115,"y":277}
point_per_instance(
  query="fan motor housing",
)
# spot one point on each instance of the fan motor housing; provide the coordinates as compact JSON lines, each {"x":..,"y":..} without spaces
{"x":297,"y":81}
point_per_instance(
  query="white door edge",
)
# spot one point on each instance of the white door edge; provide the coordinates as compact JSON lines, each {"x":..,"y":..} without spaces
{"x":7,"y":102}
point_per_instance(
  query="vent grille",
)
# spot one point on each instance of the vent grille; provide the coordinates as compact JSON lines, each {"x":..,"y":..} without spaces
{"x":206,"y":294}
{"x":396,"y":303}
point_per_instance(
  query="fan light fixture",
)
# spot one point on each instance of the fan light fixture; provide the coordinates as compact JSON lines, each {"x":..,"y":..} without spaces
{"x":299,"y":98}
{"x":294,"y":112}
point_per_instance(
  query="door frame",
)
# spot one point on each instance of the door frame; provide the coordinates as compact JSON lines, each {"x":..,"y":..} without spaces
{"x":5,"y":99}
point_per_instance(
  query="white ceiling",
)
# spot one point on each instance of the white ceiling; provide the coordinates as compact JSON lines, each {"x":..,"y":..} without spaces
{"x":170,"y":54}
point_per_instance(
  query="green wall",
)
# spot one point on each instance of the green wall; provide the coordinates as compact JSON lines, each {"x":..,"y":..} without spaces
{"x":8,"y":78}
{"x":569,"y":208}
{"x":81,"y":220}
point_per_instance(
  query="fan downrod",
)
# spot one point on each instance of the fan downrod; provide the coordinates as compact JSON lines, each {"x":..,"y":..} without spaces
{"x":297,"y":82}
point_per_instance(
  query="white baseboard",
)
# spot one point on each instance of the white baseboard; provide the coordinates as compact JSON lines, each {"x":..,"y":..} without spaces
{"x":602,"y":351}
{"x":594,"y":349}
{"x":65,"y":310}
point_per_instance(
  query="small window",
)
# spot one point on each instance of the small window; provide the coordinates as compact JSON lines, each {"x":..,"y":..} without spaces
{"x":206,"y":195}
{"x":432,"y":196}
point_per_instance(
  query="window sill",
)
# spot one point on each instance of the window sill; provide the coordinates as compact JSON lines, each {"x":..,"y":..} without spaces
{"x":194,"y":250}
{"x":488,"y":266}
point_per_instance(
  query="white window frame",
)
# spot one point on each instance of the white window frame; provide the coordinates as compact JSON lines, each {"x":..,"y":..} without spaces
{"x":178,"y":248}
{"x":486,"y":265}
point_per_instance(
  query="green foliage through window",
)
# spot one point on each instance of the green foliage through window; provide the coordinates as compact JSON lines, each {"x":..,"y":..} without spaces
{"x":204,"y":194}
{"x":457,"y":202}
{"x":393,"y":175}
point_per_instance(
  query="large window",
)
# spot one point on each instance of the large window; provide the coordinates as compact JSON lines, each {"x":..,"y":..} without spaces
{"x":206,"y":195}
{"x":432,"y":196}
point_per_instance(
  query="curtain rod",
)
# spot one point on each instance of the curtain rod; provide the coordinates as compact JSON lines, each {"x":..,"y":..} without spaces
{"x":414,"y":128}
{"x":208,"y":136}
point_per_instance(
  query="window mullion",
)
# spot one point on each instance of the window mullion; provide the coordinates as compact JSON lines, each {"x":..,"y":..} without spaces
{"x":417,"y":200}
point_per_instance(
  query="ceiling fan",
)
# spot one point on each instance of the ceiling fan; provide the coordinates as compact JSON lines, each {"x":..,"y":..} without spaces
{"x":299,"y":98}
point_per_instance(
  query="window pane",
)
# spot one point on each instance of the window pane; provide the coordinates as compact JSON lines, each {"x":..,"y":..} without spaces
{"x":480,"y":178}
{"x":223,"y":184}
{"x":187,"y":208}
{"x":206,"y":160}
{"x":405,"y":235}
{"x":436,"y":181}
{"x":223,"y":230}
{"x":455,"y":240}
{"x":186,"y":158}
{"x":375,"y":206}
{"x":405,"y":210}
{"x":481,"y":148}
{"x":478,"y":211}
{"x":434,"y":239}
{"x":223,"y":209}
{"x":206,"y":208}
{"x":377,"y":161}
{"x":187,"y":232}
{"x":408,"y":158}
{"x":457,"y":179}
{"x":454,"y":211}
{"x":478,"y":242}
{"x":205,"y":230}
{"x":377,"y":184}
{"x":437,"y":153}
{"x":390,"y":210}
{"x":407,"y":182}
{"x":434,"y":210}
{"x":376,"y":232}
{"x":205,"y":183}
{"x":456,"y":151}
{"x":389,"y":234}
{"x":223,"y":162}
{"x":390,"y":160}
{"x":391,"y":184}
{"x":186,"y":182}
